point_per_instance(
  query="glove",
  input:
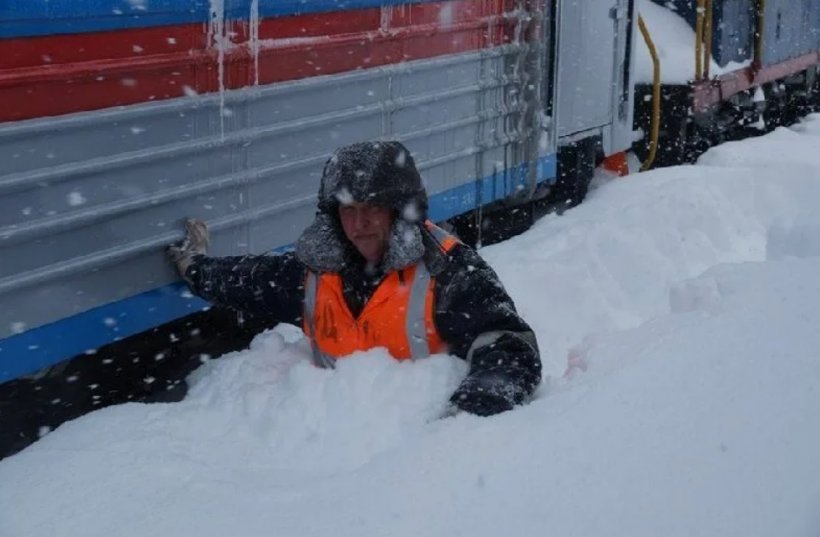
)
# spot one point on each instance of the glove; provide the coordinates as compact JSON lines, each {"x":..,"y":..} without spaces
{"x":487,"y":393}
{"x":481,"y":404}
{"x":195,"y":243}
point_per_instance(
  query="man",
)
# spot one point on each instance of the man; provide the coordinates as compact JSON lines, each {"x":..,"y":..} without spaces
{"x":371,"y":271}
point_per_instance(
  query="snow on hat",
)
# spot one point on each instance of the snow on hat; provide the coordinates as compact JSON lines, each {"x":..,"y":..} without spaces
{"x":381,"y":173}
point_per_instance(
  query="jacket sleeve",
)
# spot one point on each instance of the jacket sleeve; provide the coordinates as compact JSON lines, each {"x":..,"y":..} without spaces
{"x":268,"y":287}
{"x":478,"y":320}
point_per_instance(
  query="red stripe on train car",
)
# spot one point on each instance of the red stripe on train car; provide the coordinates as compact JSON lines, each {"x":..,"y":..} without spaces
{"x":96,"y":85}
{"x":708,"y":93}
{"x":447,"y":13}
{"x":42,"y":83}
{"x":340,"y":55}
{"x":20,"y":53}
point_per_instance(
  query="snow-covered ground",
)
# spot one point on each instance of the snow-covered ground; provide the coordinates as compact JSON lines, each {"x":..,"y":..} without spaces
{"x":688,"y":300}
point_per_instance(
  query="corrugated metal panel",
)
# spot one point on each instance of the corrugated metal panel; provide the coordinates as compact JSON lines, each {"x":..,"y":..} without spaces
{"x":87,"y":202}
{"x":733,"y":31}
{"x":810,"y":28}
{"x":814,"y":24}
{"x":783,"y":36}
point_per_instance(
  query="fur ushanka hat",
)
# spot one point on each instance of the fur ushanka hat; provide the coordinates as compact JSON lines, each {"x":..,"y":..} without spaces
{"x":381,"y":173}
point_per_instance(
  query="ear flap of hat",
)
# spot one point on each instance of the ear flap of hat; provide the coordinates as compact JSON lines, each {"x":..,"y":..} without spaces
{"x":405,"y":245}
{"x":322,"y":245}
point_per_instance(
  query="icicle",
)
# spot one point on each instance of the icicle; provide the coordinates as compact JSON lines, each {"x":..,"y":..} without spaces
{"x":447,"y":15}
{"x":218,"y":38}
{"x":254,"y":19}
{"x":386,"y":18}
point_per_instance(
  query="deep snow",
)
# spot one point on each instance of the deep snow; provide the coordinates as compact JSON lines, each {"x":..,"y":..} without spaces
{"x":688,"y":300}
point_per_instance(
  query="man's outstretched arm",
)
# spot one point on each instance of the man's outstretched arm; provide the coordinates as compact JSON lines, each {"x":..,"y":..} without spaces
{"x":268,"y":287}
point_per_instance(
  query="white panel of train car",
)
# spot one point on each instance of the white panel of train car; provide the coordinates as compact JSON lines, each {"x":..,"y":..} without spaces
{"x":593,"y":51}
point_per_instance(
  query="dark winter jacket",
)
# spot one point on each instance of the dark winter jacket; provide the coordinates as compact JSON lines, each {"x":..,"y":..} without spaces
{"x":473,"y":313}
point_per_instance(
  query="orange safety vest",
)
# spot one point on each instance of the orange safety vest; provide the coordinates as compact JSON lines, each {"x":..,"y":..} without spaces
{"x":398,"y":316}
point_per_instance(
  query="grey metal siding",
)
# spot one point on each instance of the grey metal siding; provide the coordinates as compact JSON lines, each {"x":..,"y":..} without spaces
{"x":784,"y":36}
{"x":733,"y":31}
{"x":816,"y":26}
{"x":87,"y":202}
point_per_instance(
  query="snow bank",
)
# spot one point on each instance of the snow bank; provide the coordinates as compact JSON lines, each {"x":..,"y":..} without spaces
{"x":689,"y":301}
{"x":608,"y":264}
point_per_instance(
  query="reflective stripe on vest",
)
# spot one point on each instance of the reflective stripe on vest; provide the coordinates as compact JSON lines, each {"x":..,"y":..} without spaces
{"x":311,"y":284}
{"x":398,"y":316}
{"x":416,"y":325}
{"x":445,"y":240}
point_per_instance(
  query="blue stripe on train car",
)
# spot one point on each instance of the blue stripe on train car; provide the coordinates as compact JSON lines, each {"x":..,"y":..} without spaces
{"x":47,"y":345}
{"x":29,"y":18}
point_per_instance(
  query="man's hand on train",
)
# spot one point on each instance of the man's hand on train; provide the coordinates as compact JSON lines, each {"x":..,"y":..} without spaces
{"x":195,"y":243}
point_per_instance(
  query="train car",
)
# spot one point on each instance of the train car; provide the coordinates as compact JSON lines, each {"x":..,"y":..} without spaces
{"x":122,"y":117}
{"x":767,"y":55}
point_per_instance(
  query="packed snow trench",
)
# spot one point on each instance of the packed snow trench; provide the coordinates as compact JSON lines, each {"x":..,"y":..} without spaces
{"x":687,"y":301}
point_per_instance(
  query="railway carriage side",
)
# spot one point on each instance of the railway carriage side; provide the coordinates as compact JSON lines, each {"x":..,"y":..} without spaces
{"x":124,"y":116}
{"x":767,"y":56}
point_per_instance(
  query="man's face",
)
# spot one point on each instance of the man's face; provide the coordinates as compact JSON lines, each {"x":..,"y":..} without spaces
{"x":367,"y":226}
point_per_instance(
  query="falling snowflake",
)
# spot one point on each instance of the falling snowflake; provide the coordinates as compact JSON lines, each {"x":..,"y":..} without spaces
{"x":344,"y":196}
{"x":75,"y":198}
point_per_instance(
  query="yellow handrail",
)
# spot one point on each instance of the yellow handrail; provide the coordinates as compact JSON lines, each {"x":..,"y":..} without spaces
{"x":656,"y":96}
{"x":699,"y":16}
{"x":707,"y":40}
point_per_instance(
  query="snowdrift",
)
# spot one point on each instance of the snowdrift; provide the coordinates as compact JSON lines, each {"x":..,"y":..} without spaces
{"x":689,"y":302}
